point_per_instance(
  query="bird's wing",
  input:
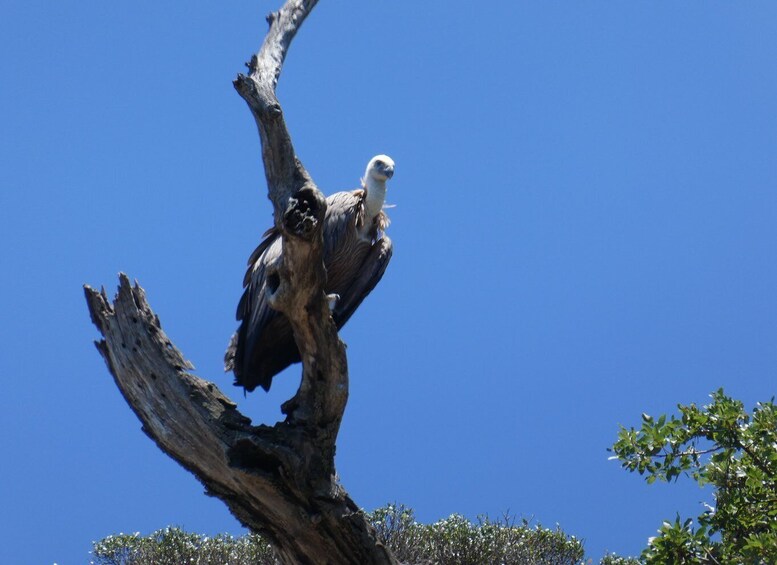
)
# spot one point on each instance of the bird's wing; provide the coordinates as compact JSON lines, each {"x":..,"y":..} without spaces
{"x":345,"y":218}
{"x":344,"y":211}
{"x":369,"y":275}
{"x":253,"y":303}
{"x":249,"y":292}
{"x":258,"y":319}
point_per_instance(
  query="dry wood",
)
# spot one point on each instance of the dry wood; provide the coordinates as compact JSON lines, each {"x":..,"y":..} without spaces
{"x":279,"y":481}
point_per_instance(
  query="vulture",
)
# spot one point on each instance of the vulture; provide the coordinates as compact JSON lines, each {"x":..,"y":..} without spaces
{"x":356,"y":253}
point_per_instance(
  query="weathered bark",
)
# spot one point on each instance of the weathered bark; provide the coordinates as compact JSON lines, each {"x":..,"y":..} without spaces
{"x":279,"y":481}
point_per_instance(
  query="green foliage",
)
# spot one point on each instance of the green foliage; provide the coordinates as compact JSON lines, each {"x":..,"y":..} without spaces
{"x":173,"y":546}
{"x":612,"y":559}
{"x":452,"y":541}
{"x":719,"y":445}
{"x":457,"y":541}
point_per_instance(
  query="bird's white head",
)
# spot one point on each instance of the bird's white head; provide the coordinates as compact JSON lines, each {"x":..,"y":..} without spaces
{"x":380,"y":168}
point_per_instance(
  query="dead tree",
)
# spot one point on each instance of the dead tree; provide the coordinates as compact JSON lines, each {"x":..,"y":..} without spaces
{"x":279,"y":481}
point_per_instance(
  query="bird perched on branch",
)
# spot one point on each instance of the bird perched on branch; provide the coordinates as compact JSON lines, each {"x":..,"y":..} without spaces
{"x":356,"y":253}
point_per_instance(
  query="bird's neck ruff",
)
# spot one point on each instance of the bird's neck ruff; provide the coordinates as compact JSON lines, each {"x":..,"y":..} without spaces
{"x":376,"y":197}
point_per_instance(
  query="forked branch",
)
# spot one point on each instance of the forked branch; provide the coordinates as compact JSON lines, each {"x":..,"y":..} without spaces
{"x":280,"y":480}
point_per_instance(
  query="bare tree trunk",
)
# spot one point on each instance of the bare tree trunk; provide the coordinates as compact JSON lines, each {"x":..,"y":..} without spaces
{"x":278,"y":481}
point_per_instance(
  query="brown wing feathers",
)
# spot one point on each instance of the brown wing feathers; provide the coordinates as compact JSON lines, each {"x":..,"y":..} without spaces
{"x":264,"y":343}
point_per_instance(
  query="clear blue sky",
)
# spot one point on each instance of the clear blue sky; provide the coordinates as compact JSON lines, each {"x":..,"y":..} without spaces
{"x":585,"y":229}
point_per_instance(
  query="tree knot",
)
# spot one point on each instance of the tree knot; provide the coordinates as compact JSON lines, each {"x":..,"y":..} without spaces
{"x":304,"y":212}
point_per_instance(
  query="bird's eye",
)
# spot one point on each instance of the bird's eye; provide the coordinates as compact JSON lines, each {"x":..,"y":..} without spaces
{"x":379,"y":163}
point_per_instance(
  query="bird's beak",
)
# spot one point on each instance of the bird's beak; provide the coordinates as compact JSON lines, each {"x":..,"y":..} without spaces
{"x":389,"y":172}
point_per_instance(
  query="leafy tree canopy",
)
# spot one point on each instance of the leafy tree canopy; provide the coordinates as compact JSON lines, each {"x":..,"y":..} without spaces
{"x":452,"y":541}
{"x":719,"y":445}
